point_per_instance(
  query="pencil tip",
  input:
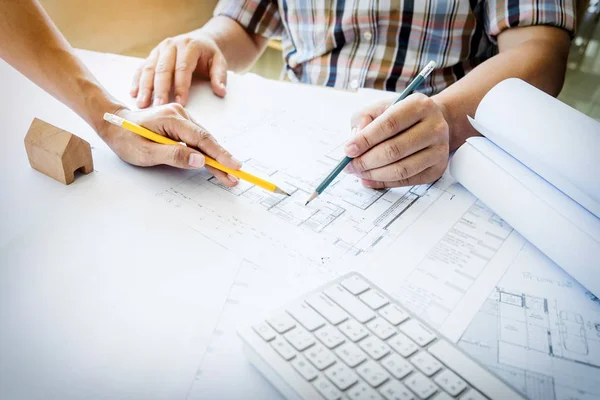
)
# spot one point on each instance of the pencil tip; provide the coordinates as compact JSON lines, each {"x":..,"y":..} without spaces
{"x":311,"y":198}
{"x":281,"y":191}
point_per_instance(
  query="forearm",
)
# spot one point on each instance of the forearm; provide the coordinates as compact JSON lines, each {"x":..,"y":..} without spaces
{"x":240,"y":48}
{"x":541,"y":61}
{"x":34,"y":46}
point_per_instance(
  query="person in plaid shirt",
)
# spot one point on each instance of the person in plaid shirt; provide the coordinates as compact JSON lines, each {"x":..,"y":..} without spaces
{"x":379,"y":44}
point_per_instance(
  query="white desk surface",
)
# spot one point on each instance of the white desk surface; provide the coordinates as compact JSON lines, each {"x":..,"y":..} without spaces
{"x":91,"y":313}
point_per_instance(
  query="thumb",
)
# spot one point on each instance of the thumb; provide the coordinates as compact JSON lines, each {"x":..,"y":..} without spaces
{"x":178,"y":156}
{"x":218,"y":74}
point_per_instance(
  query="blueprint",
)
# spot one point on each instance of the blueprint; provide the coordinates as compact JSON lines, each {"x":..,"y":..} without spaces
{"x":540,"y":331}
{"x":278,"y":142}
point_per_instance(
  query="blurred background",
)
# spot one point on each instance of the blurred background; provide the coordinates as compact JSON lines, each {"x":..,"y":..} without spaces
{"x":134,"y":27}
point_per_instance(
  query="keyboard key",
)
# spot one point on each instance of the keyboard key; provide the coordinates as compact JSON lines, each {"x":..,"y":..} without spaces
{"x":426,"y":363}
{"x":307,"y":317}
{"x":362,"y":391}
{"x":442,"y":396}
{"x":283,"y":348}
{"x":282,"y":323}
{"x":472,"y":395}
{"x":327,"y":308}
{"x":394,"y":390}
{"x":326,"y":389}
{"x":341,"y":376}
{"x":374,"y":299}
{"x":299,"y":338}
{"x":355,"y":285}
{"x":394,"y":314}
{"x":421,"y":385}
{"x":418,"y":332}
{"x":350,"y":354}
{"x":320,"y":356}
{"x":374,"y":347}
{"x":372,"y":372}
{"x":403,"y":345}
{"x":381,"y":328}
{"x":330,"y":336}
{"x":305,"y":368}
{"x":353,"y":330}
{"x":396,"y":365}
{"x":351,"y":304}
{"x":264,"y":331}
{"x":450,"y":382}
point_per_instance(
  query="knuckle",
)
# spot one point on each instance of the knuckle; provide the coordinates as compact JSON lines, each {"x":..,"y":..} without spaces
{"x":163,"y":67}
{"x":186,"y":40}
{"x":390,"y":125}
{"x":426,"y":103}
{"x":401,"y":172}
{"x":175,"y":108}
{"x":178,"y":154}
{"x":392,"y":152}
{"x":364,"y":139}
{"x":167,"y":42}
{"x":182,"y":66}
{"x":148,"y":67}
{"x":360,"y":165}
{"x":204,"y":136}
{"x":441,"y":127}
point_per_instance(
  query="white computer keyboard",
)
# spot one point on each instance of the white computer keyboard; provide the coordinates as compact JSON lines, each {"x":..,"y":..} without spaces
{"x":348,"y":339}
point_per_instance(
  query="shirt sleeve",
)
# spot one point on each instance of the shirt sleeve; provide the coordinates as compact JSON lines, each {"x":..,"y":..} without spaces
{"x":503,"y":14}
{"x":260,"y":17}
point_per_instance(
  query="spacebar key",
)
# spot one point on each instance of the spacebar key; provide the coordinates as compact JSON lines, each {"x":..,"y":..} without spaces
{"x":351,"y":304}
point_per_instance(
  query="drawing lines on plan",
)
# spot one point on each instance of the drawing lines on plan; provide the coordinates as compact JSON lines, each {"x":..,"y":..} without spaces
{"x":545,"y":349}
{"x":355,"y":218}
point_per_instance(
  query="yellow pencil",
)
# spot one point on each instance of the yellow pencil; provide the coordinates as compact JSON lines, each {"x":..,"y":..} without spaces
{"x":155,"y":137}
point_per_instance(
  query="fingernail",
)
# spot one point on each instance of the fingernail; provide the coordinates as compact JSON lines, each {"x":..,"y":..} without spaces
{"x":196,"y":160}
{"x":232,"y":178}
{"x":222,"y":85}
{"x":351,"y":150}
{"x":158,"y":101}
{"x":235,"y":160}
{"x":349,"y":169}
{"x":353,"y":133}
{"x":178,"y":100}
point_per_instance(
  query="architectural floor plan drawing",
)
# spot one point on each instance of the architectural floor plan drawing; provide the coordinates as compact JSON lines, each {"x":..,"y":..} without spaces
{"x":346,"y":220}
{"x":540,"y":331}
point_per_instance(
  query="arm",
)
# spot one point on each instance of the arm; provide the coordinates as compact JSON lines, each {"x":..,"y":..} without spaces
{"x":34,"y":46}
{"x":523,"y":53}
{"x":240,"y":48}
{"x":431,"y":127}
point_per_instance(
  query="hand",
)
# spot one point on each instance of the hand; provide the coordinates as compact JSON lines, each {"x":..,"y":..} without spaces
{"x":172,"y":63}
{"x":400,"y":145}
{"x":172,"y":121}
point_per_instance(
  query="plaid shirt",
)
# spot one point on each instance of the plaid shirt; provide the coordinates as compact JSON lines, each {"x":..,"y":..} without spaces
{"x":383,"y":44}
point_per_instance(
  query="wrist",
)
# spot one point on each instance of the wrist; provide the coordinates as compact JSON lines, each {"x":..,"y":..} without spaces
{"x":98,"y":103}
{"x":444,"y":104}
